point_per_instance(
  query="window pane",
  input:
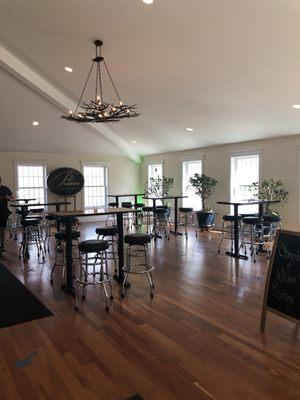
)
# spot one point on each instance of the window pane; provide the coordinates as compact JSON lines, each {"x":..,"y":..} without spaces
{"x":31,"y":182}
{"x":244,"y":171}
{"x":94,"y":186}
{"x":189,"y":168}
{"x":154,"y":171}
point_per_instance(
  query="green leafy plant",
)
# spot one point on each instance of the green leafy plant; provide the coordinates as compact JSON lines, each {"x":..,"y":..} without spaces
{"x":160,"y":187}
{"x":204,"y":187}
{"x":270,"y":189}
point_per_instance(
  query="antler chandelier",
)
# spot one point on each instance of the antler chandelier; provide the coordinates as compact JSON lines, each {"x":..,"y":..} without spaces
{"x":98,"y":110}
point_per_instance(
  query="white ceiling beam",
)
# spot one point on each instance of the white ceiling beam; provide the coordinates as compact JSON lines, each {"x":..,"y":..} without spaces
{"x":23,"y":72}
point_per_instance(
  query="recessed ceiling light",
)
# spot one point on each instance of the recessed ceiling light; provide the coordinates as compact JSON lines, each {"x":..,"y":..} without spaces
{"x":134,"y":141}
{"x":68,"y":69}
{"x":35,"y":123}
{"x":190,"y":129}
{"x":296,"y":106}
{"x":148,"y":1}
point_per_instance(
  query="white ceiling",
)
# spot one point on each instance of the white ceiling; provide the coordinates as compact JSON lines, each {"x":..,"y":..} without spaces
{"x":230,"y":69}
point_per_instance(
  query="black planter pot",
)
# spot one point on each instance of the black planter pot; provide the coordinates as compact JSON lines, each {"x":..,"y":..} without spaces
{"x":205,"y":219}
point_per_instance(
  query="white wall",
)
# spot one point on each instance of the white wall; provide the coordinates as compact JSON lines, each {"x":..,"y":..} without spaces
{"x":279,"y":160}
{"x":123,"y":173}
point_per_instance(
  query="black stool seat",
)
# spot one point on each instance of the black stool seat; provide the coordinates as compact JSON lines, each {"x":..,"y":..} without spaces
{"x":185,"y":209}
{"x":31,"y":222}
{"x":93,"y":246}
{"x":126,"y":204}
{"x":160,"y":211}
{"x":139,"y":205}
{"x":31,"y":217}
{"x":231,"y":218}
{"x":107,"y":230}
{"x":147,"y":209}
{"x":63,"y":220}
{"x":271,"y":218}
{"x":137,"y":238}
{"x":36,"y":210}
{"x":61,"y":235}
{"x":112,"y":204}
{"x":252,"y":220}
{"x":51,"y":217}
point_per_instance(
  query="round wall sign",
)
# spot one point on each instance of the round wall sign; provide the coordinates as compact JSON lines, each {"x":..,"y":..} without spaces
{"x":65,"y":181}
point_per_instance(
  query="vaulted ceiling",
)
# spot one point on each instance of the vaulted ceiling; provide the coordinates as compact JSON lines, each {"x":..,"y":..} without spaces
{"x":227,"y":68}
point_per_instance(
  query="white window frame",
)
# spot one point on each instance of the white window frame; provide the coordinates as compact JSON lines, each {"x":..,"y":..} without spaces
{"x":195,"y":159}
{"x":243,"y":154}
{"x":153,"y":164}
{"x":28,"y":163}
{"x":106,"y":180}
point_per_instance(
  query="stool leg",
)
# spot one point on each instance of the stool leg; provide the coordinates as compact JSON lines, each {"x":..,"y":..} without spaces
{"x":149,"y":274}
{"x":126,"y":274}
{"x":222,"y":237}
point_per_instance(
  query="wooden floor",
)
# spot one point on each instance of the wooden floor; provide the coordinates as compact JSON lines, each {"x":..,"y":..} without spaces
{"x":198,"y":338}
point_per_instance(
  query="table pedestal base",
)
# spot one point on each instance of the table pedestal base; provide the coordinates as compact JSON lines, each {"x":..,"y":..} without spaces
{"x":176,"y":233}
{"x":231,"y":254}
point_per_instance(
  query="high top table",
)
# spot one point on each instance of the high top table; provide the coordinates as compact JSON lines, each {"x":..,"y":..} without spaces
{"x":117,"y":196}
{"x":24,"y":200}
{"x":24,"y":207}
{"x":260,"y":203}
{"x":175,"y":198}
{"x":67,"y":217}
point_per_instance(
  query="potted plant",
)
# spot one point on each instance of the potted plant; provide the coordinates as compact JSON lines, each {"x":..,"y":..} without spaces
{"x":204,"y":186}
{"x":270,"y":189}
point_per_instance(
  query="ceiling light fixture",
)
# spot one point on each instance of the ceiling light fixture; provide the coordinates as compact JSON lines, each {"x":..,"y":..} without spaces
{"x":134,"y":141}
{"x":98,"y":110}
{"x":148,"y":1}
{"x":297,"y":106}
{"x":68,"y":69}
{"x":190,"y":129}
{"x":35,"y":123}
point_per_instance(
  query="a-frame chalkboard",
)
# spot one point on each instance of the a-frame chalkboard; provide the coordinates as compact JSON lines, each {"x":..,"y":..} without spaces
{"x":282,"y":292}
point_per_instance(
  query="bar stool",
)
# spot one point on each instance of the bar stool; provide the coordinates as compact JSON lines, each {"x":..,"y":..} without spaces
{"x":50,"y":221}
{"x":139,"y":215}
{"x":98,"y":248}
{"x":60,"y":252}
{"x":147,"y":216}
{"x":271,"y":223}
{"x":112,"y":204}
{"x":161,"y":223}
{"x":31,"y":235}
{"x":127,"y":217}
{"x":138,"y":248}
{"x":252,"y":233}
{"x":110,"y":233}
{"x":228,"y":230}
{"x":186,"y":214}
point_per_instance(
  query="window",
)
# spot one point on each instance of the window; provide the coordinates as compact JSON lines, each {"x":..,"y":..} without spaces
{"x":95,"y":185}
{"x":31,"y":181}
{"x":244,"y":171}
{"x":154,"y":171}
{"x":189,"y":168}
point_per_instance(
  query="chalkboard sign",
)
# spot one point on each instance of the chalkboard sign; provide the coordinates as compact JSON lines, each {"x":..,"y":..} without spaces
{"x":65,"y":181}
{"x":282,"y":293}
